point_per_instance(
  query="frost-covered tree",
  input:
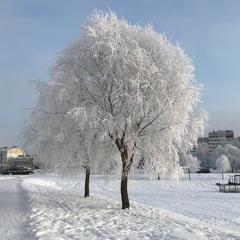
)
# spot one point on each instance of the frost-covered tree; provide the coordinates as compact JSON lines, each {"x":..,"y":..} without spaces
{"x":202,"y":154}
{"x":133,"y":88}
{"x":61,"y":145}
{"x":217,"y":152}
{"x":232,"y":153}
{"x":223,"y":164}
{"x":187,"y":160}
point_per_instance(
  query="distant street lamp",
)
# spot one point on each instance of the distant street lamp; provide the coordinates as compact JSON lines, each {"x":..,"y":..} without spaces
{"x":1,"y":158}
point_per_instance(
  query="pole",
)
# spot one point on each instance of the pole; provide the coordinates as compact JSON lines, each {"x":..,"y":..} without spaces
{"x":1,"y":159}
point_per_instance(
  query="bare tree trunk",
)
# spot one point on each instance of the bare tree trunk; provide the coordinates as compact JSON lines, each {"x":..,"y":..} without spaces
{"x":124,"y":191}
{"x":87,"y":179}
{"x":189,"y":174}
{"x":124,"y":178}
{"x":222,"y":176}
{"x":126,"y":166}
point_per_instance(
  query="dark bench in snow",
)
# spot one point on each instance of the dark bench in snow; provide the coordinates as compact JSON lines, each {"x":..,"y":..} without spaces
{"x":233,"y":184}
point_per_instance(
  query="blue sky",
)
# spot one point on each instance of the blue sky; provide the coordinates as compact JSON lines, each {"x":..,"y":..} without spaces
{"x":33,"y":31}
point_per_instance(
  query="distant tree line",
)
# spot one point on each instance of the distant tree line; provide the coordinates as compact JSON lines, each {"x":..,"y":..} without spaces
{"x":224,"y":158}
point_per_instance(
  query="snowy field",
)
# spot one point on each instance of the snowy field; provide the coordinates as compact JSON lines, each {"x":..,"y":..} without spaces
{"x":160,"y":209}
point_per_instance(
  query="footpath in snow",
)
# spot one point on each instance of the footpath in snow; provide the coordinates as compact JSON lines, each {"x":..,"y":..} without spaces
{"x":13,"y":209}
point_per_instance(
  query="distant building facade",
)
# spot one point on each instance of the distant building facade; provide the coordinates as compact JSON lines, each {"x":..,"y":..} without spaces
{"x":219,"y":138}
{"x":3,"y":155}
{"x":14,"y":152}
{"x":26,"y":161}
{"x":17,"y":157}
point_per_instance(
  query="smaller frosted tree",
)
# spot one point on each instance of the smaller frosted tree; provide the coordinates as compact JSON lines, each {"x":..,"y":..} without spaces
{"x":202,"y":153}
{"x":223,"y":164}
{"x":232,"y":153}
{"x":217,"y":152}
{"x":61,"y":145}
{"x":190,"y":162}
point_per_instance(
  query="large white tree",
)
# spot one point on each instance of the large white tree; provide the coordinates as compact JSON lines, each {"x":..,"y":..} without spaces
{"x":133,"y":88}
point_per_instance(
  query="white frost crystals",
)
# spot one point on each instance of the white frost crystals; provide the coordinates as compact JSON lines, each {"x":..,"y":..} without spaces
{"x":130,"y":89}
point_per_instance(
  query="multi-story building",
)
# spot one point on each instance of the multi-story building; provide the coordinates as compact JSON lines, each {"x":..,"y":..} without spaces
{"x":3,"y":156}
{"x":219,"y":138}
{"x":7,"y":155}
{"x":15,"y":157}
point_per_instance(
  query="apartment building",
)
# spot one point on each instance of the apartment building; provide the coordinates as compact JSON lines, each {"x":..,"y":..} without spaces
{"x":219,"y":138}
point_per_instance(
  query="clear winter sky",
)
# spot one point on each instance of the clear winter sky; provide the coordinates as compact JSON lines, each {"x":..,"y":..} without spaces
{"x":33,"y":31}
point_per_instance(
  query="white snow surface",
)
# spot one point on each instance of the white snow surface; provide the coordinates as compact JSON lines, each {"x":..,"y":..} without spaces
{"x":160,"y":209}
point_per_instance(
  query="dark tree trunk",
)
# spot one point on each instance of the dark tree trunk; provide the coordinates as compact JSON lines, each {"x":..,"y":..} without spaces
{"x":126,"y":166}
{"x":124,"y":179}
{"x":87,"y":179}
{"x":124,"y":191}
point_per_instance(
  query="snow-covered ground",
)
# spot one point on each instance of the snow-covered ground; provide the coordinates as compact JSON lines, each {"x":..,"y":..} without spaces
{"x":160,"y":209}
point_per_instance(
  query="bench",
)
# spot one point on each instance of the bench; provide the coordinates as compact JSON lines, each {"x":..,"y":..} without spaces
{"x":233,"y":184}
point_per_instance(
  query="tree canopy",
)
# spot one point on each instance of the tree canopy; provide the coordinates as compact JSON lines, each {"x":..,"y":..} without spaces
{"x":130,"y":90}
